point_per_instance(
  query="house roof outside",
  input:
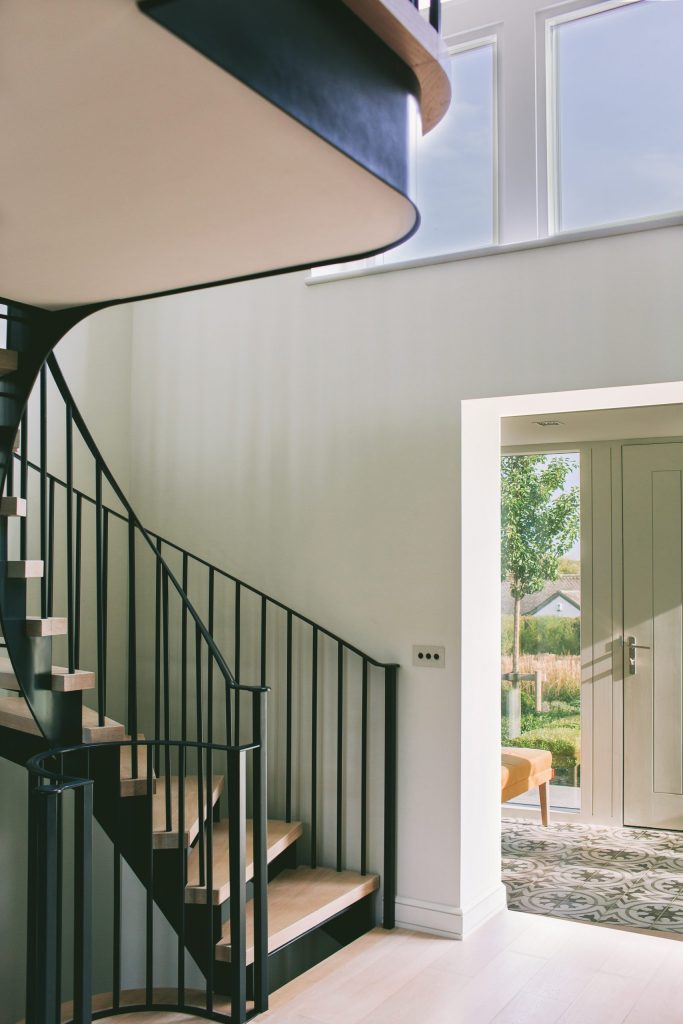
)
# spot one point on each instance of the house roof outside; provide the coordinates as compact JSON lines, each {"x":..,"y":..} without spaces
{"x":568,"y":586}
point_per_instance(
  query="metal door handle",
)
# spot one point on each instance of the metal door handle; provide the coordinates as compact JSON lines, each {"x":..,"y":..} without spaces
{"x":632,"y":648}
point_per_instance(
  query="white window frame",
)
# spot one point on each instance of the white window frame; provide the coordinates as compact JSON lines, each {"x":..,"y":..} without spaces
{"x":548,"y":171}
{"x":456,"y":43}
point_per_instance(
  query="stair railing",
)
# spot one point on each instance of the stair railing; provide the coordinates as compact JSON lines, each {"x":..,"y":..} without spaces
{"x":60,"y":927}
{"x":202,"y":720}
{"x":434,"y":13}
{"x":314,"y":675}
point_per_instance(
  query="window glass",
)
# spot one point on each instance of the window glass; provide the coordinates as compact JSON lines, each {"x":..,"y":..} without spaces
{"x":454,"y":170}
{"x":454,"y":165}
{"x":619,"y":110}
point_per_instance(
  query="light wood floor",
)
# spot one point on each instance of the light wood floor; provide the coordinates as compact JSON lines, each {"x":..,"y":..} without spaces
{"x":516,"y":969}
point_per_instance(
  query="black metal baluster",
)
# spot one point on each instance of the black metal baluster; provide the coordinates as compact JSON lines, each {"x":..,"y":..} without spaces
{"x":10,"y":474}
{"x":264,"y":627}
{"x":70,"y":605}
{"x":237,"y":871}
{"x":157,"y":652}
{"x":116,"y":938}
{"x":101,"y":692}
{"x":200,"y":739}
{"x":364,"y":772}
{"x":149,"y":924}
{"x":314,"y":750}
{"x":183,"y":656}
{"x":340,"y":752}
{"x":50,"y":564}
{"x":435,"y":14}
{"x":211,"y":942}
{"x":23,"y":481}
{"x":33,"y":966}
{"x":43,"y":492}
{"x":182,"y":874}
{"x":105,"y":591}
{"x":288,"y":769}
{"x":132,"y":651}
{"x":167,"y":700}
{"x":209,"y":670}
{"x":82,"y":995}
{"x":44,"y":970}
{"x":390,"y":750}
{"x":238,"y":654}
{"x":260,"y":850}
{"x":59,"y":894}
{"x":78,"y":574}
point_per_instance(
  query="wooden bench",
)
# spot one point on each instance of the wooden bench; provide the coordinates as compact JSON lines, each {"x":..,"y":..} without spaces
{"x":522,"y":770}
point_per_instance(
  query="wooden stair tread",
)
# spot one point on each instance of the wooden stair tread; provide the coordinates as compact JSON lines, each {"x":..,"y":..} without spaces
{"x":16,"y":714}
{"x":299,"y":901}
{"x":281,"y":835}
{"x":62,"y":681}
{"x":8,"y":680}
{"x":25,"y":569}
{"x":12,"y":506}
{"x":53,"y":626}
{"x":163,"y":840}
{"x":93,"y":732}
{"x":134,"y":785}
{"x":9,"y":361}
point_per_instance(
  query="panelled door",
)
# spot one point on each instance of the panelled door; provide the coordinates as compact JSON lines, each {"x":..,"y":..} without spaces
{"x":653,"y":634}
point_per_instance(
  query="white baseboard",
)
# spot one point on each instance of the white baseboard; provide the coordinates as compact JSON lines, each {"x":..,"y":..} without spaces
{"x":449,"y":922}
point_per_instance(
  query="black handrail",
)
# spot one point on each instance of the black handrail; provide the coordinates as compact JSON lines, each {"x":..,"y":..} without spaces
{"x":104,"y":470}
{"x":240,"y":583}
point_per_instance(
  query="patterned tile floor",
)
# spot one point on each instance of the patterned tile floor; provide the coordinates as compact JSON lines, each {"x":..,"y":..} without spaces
{"x":618,"y":876}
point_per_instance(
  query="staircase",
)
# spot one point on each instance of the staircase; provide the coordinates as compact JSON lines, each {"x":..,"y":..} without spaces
{"x":212,"y":775}
{"x":252,"y":893}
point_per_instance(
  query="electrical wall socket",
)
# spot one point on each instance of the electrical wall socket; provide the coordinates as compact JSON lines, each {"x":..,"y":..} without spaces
{"x":429,"y":656}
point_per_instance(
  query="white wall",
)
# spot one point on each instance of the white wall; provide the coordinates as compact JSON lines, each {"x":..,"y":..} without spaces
{"x":309,"y":438}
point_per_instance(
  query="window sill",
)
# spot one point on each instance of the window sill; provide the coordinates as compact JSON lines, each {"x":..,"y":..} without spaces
{"x":563,"y":238}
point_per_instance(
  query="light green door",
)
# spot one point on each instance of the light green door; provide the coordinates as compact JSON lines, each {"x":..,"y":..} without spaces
{"x":653,"y":634}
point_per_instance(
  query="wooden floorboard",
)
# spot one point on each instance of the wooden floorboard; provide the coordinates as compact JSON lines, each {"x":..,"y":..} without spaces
{"x":515,"y":969}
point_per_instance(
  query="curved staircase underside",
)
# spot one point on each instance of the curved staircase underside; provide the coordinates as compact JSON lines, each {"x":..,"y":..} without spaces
{"x":138,"y":165}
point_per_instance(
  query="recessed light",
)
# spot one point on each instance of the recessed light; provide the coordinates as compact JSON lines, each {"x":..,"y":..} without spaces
{"x":548,"y":423}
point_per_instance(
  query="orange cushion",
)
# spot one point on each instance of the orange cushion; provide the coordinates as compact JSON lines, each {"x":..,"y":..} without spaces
{"x":518,"y":764}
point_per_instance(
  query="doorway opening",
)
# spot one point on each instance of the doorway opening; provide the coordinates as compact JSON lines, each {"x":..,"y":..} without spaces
{"x":599,"y":425}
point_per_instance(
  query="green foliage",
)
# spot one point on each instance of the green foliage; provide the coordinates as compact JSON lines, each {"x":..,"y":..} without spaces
{"x":543,"y":634}
{"x":569,"y":567}
{"x":539,"y":519}
{"x":564,"y":743}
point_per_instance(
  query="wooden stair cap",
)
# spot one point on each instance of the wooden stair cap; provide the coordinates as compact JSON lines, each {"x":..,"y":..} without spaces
{"x":281,"y":835}
{"x":25,"y":569}
{"x":12,"y":506}
{"x":54,"y":626}
{"x":299,"y":901}
{"x":62,"y":681}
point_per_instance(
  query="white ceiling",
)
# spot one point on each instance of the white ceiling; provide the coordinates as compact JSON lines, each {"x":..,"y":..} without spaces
{"x":130,"y":164}
{"x":594,"y":425}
